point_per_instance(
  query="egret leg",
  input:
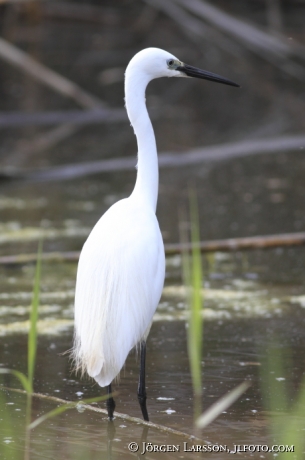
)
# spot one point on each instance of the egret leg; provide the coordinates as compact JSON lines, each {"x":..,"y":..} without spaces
{"x":141,"y":386}
{"x":110,"y":403}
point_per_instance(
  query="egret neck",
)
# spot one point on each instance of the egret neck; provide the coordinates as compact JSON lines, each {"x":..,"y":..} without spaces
{"x":146,"y":187}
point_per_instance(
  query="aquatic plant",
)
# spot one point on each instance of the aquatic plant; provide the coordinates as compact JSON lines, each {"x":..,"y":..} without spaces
{"x":193,"y":279}
{"x":27,"y":381}
{"x":286,"y":414}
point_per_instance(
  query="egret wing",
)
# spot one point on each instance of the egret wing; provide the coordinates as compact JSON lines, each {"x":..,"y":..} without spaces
{"x":119,"y":283}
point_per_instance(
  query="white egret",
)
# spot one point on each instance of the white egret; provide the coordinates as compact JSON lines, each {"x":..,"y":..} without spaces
{"x":122,"y":264}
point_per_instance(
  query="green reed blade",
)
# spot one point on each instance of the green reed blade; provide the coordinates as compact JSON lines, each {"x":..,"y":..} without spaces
{"x":20,"y":376}
{"x":195,"y":329}
{"x":192,"y":276}
{"x":32,"y":337}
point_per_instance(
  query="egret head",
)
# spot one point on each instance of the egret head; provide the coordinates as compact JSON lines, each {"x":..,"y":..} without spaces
{"x":156,"y":63}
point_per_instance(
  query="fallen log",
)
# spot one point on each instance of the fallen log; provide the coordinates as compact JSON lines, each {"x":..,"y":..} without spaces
{"x":230,"y":244}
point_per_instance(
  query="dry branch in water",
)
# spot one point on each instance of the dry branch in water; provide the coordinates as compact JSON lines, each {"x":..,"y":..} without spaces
{"x":52,"y":79}
{"x":253,"y":37}
{"x":194,"y":28}
{"x":40,"y":72}
{"x":126,"y":417}
{"x":167,"y":159}
{"x":239,"y":244}
{"x":77,"y":117}
{"x":15,"y":1}
{"x":230,"y":244}
{"x":275,"y":49}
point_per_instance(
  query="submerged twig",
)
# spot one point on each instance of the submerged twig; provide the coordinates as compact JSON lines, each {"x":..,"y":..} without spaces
{"x":166,"y":159}
{"x":221,"y":405}
{"x":230,"y":244}
{"x":119,"y":415}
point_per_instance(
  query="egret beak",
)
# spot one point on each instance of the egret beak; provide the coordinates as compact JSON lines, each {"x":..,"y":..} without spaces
{"x":191,"y":71}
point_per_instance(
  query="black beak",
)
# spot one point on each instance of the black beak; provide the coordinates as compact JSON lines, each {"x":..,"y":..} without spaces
{"x":191,"y":71}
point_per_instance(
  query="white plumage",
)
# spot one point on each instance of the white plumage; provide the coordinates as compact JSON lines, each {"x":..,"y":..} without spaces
{"x":119,"y":284}
{"x":122,"y":265}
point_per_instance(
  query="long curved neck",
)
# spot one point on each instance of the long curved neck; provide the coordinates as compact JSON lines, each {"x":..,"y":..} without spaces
{"x":146,"y":187}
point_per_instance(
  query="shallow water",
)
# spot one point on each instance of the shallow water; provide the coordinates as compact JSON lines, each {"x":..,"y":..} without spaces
{"x":246,"y":312}
{"x":254,"y":301}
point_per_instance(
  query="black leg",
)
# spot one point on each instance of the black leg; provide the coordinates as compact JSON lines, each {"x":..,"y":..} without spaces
{"x":141,"y":386}
{"x":110,"y":403}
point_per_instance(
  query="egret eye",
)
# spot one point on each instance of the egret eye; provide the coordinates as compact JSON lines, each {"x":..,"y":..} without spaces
{"x":173,"y":63}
